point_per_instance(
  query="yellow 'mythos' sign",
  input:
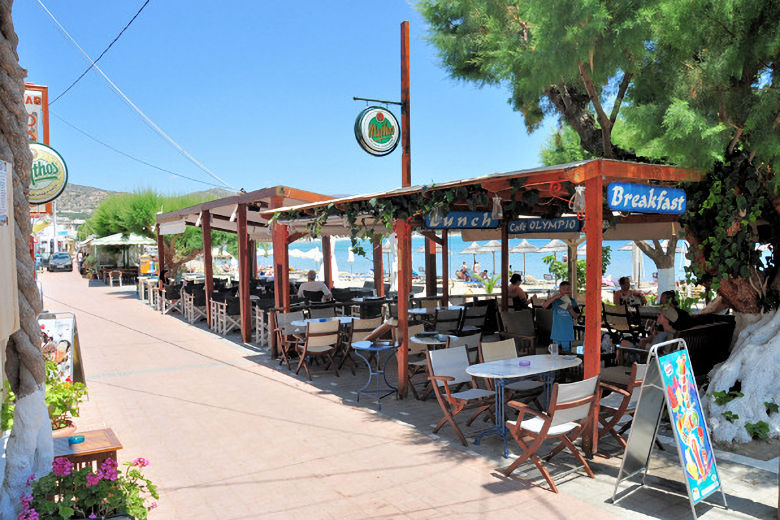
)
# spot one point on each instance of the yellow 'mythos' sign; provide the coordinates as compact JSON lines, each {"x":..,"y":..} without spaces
{"x":48,"y":175}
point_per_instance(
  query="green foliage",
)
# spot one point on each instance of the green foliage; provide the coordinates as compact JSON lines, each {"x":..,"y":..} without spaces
{"x":67,"y":492}
{"x":62,"y":396}
{"x":771,"y":407}
{"x":488,"y":283}
{"x":9,"y":404}
{"x":686,"y":302}
{"x":561,"y":270}
{"x":759,"y":430}
{"x":722,"y":397}
{"x":563,"y":146}
{"x":730,"y":416}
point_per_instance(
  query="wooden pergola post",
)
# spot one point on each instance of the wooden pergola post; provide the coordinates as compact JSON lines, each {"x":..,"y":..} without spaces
{"x":504,"y":266}
{"x":445,"y":270}
{"x":160,"y":258}
{"x":379,"y":272}
{"x":243,"y":270}
{"x":326,"y":263}
{"x":403,"y":232}
{"x":430,"y":268}
{"x":208,"y":268}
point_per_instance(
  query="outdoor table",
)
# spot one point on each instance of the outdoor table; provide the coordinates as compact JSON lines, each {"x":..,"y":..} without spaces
{"x":378,"y":348}
{"x":422,"y":311}
{"x":344,"y":320}
{"x":504,"y":369}
{"x":432,"y":341}
{"x":98,"y":446}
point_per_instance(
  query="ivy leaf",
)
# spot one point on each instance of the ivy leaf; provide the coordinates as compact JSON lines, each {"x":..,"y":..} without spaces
{"x":771,"y":407}
{"x":373,"y":202}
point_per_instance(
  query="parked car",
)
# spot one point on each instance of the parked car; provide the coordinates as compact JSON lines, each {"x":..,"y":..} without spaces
{"x":60,"y":261}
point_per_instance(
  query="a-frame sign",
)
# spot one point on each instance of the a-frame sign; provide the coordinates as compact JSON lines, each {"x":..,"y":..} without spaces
{"x":669,"y":383}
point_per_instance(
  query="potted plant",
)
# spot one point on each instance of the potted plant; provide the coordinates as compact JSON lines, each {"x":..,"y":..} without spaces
{"x":67,"y":493}
{"x":62,"y":399}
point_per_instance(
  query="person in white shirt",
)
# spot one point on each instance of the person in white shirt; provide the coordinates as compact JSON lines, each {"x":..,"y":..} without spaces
{"x":314,"y":286}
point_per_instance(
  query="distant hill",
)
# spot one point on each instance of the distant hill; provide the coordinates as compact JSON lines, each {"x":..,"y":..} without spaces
{"x":79,"y":201}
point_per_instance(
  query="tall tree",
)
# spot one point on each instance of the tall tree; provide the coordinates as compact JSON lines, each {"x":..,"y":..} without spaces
{"x":136,"y":213}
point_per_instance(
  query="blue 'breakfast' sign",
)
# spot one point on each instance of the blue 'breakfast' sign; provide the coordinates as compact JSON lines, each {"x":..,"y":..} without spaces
{"x":545,"y":225}
{"x":641,"y":198}
{"x":462,"y":220}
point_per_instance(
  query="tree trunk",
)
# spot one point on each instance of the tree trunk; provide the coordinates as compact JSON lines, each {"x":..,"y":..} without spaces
{"x":29,"y":448}
{"x":664,"y":261}
{"x":754,"y":364}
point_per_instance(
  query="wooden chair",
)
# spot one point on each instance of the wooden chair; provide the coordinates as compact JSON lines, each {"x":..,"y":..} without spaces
{"x":474,"y":318}
{"x":359,"y":331}
{"x":471,"y":342}
{"x":620,"y":322}
{"x":620,"y":403}
{"x":523,"y":389}
{"x":447,"y":368}
{"x":447,"y":321}
{"x":321,"y":341}
{"x":571,"y":408}
{"x":313,"y":296}
{"x":285,"y":334}
{"x":417,"y":362}
{"x":170,"y":299}
{"x":543,"y":319}
{"x":325,"y":311}
{"x":519,"y":326}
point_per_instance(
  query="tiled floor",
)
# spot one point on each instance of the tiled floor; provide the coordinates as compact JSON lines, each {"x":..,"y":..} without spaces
{"x":232,"y":435}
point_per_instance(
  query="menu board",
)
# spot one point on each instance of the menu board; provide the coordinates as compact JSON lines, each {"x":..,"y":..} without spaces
{"x":687,"y":420}
{"x":62,"y":344}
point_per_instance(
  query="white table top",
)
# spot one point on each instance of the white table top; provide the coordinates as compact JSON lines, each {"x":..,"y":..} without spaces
{"x":302,"y":323}
{"x":430,"y":340}
{"x":508,"y":368}
{"x":424,"y":311}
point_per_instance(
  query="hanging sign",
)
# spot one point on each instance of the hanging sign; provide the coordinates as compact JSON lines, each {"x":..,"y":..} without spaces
{"x":36,"y":102}
{"x":462,"y":220}
{"x":669,"y":383}
{"x":641,"y":198}
{"x":545,"y":225}
{"x":377,"y":131}
{"x":48,"y":175}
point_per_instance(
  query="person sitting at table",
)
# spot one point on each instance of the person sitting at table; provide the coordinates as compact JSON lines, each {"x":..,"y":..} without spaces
{"x":670,"y":307}
{"x":516,"y":293}
{"x":314,"y":286}
{"x":627,"y":296}
{"x":565,"y":311}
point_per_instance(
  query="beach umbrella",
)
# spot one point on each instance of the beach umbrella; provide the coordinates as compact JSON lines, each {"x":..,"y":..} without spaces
{"x":421,"y":249}
{"x":554,"y":246}
{"x":350,"y":259}
{"x":472,"y":250}
{"x":524,"y":247}
{"x":491,"y":247}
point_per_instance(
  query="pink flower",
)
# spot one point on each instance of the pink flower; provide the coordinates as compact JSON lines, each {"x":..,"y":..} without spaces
{"x":154,"y":504}
{"x":93,"y":515}
{"x":141,"y":462}
{"x":92,"y":480}
{"x":62,"y":466}
{"x":26,"y":500}
{"x":30,"y":479}
{"x":108,"y":469}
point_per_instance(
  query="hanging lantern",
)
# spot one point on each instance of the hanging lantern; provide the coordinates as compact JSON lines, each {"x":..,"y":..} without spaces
{"x":577,"y":201}
{"x":498,"y":211}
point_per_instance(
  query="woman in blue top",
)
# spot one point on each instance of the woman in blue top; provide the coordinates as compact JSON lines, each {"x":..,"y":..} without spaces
{"x":565,"y":311}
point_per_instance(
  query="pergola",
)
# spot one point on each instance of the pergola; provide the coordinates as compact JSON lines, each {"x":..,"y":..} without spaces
{"x":552,"y":184}
{"x":240,"y":214}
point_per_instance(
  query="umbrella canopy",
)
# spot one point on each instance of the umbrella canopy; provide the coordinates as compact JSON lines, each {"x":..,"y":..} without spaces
{"x":524,"y":247}
{"x":491,"y":247}
{"x":312,"y":254}
{"x":118,"y":239}
{"x":554,"y":246}
{"x":421,"y":249}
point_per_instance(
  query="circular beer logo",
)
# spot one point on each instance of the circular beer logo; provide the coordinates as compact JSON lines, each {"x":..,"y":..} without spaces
{"x":377,"y":131}
{"x":48,"y":175}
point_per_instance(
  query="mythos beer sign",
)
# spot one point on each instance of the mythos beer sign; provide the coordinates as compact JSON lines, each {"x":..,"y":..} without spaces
{"x":48,"y":175}
{"x":377,"y":131}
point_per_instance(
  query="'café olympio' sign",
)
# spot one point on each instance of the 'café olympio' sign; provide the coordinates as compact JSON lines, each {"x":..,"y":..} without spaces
{"x":641,"y":198}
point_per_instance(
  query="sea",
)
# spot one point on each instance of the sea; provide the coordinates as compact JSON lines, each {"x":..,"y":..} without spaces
{"x":620,"y":264}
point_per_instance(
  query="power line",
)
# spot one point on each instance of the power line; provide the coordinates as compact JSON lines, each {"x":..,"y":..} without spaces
{"x":101,"y":54}
{"x":146,"y":118}
{"x":136,"y":159}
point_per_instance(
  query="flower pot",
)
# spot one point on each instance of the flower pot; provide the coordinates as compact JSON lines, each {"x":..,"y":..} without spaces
{"x":67,"y":431}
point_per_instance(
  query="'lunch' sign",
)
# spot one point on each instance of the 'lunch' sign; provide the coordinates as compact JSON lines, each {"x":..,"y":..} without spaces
{"x":641,"y":198}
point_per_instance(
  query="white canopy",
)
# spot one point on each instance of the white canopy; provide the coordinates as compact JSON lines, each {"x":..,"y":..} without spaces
{"x":118,"y":239}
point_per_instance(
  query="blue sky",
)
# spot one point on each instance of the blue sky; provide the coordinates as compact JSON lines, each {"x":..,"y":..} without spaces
{"x":261,"y":93}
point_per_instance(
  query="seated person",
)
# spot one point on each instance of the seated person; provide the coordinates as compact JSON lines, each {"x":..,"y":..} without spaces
{"x":463,"y":273}
{"x":627,"y":296}
{"x":484,"y":274}
{"x":313,"y":286}
{"x":671,"y":308}
{"x":516,"y":293}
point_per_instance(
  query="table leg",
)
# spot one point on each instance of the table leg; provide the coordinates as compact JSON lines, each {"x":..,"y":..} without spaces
{"x":500,"y":427}
{"x":549,"y":380}
{"x":371,"y":374}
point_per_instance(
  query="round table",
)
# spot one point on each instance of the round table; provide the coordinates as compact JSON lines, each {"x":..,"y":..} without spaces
{"x":510,"y":369}
{"x":378,"y":348}
{"x":435,"y":341}
{"x":344,"y":320}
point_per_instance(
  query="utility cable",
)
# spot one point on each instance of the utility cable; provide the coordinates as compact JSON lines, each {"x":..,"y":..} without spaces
{"x":101,"y":54}
{"x":127,"y":100}
{"x":132,"y":157}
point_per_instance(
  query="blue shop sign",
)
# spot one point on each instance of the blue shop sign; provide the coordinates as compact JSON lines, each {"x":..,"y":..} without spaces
{"x":545,"y":225}
{"x":641,"y":198}
{"x":462,"y":220}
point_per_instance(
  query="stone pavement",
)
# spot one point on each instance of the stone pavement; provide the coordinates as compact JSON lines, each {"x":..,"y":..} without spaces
{"x":231,"y":435}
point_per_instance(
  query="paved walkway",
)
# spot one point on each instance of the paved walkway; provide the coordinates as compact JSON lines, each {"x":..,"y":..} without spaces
{"x":231,"y":435}
{"x":230,"y":438}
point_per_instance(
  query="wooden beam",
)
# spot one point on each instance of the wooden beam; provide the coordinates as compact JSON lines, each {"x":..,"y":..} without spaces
{"x":431,"y":235}
{"x":445,"y":269}
{"x":406,"y":158}
{"x":504,"y":265}
{"x":379,"y":273}
{"x":403,"y":232}
{"x":243,"y":270}
{"x":326,"y":264}
{"x":208,"y":267}
{"x":430,"y":268}
{"x":295,"y":236}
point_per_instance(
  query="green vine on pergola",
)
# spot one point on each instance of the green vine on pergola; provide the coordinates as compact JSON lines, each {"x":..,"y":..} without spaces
{"x":522,"y":201}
